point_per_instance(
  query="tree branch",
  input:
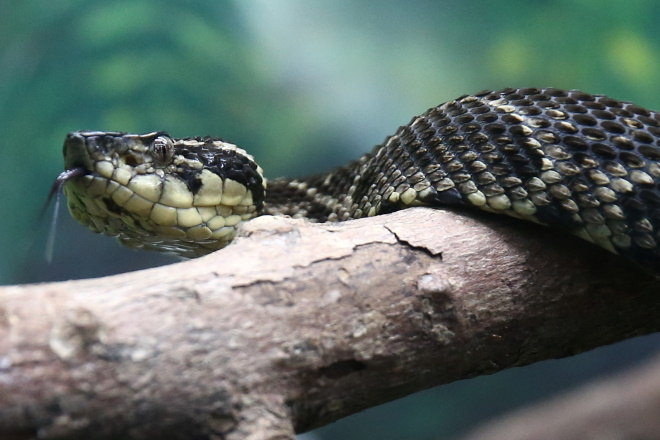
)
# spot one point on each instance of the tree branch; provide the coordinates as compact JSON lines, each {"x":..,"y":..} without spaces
{"x":296,"y":325}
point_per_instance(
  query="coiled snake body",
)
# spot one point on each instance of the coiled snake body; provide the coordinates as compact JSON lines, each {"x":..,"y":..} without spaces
{"x":583,"y":163}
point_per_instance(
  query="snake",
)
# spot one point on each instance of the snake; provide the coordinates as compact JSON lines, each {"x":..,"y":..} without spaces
{"x":573,"y":161}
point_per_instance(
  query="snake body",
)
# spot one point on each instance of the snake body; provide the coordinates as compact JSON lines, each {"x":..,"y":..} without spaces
{"x":587,"y":164}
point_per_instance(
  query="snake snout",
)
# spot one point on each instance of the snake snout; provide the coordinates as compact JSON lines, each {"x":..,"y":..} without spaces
{"x":75,"y":152}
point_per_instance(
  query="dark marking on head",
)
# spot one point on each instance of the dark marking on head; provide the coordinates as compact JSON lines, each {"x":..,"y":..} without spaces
{"x":192,"y":178}
{"x":228,"y":164}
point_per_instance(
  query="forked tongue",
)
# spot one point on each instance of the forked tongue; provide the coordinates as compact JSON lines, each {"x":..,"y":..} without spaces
{"x":56,"y":192}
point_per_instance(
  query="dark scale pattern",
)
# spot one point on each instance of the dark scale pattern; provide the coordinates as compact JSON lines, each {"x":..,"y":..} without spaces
{"x":584,"y":163}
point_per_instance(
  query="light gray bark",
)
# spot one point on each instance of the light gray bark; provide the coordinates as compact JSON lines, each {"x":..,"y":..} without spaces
{"x":296,"y":325}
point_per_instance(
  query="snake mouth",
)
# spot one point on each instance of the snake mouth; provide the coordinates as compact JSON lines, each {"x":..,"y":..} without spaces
{"x":67,"y":175}
{"x":63,"y":178}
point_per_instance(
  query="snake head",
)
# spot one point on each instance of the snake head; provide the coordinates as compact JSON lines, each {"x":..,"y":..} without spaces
{"x":183,"y":196}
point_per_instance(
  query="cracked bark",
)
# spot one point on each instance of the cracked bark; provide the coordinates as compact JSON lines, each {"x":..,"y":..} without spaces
{"x":296,"y":325}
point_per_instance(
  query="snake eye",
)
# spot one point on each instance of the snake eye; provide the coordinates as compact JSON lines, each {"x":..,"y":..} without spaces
{"x":162,"y":150}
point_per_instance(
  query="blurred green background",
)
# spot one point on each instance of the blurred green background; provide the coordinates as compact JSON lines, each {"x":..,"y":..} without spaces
{"x":303,"y":85}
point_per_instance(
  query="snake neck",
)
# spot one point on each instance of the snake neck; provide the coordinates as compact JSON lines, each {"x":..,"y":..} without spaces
{"x":397,"y":174}
{"x":405,"y":170}
{"x":340,"y":194}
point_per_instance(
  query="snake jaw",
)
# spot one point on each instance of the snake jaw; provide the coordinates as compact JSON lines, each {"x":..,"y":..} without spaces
{"x":185,"y":197}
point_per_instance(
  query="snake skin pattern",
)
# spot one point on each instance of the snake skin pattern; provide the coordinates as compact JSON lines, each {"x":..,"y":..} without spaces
{"x":587,"y":164}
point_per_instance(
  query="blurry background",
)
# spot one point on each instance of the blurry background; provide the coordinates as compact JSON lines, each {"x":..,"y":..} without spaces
{"x":303,"y":85}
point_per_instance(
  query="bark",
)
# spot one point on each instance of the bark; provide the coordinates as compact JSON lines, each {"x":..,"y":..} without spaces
{"x":622,"y":407}
{"x":296,"y":325}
